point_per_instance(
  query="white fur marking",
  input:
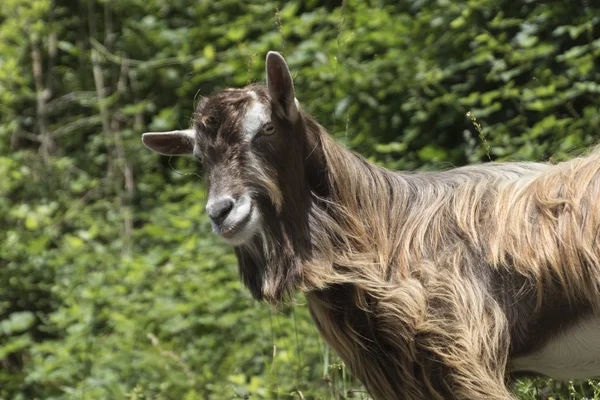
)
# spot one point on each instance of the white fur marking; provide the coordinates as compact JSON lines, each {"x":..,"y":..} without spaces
{"x":246,"y":232}
{"x":256,"y":116}
{"x":241,"y":224}
{"x":573,"y":354}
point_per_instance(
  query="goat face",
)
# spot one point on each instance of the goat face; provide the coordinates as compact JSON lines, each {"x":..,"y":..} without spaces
{"x":253,"y":148}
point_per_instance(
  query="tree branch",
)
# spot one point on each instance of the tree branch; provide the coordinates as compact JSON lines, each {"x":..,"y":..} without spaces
{"x":77,"y":124}
{"x":47,"y":143}
{"x":136,"y":63}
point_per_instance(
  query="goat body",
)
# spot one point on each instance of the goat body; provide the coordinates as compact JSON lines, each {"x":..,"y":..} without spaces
{"x":428,"y":285}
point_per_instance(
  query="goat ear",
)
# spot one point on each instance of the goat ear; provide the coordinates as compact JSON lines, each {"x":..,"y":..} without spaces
{"x":281,"y":87}
{"x":174,"y":143}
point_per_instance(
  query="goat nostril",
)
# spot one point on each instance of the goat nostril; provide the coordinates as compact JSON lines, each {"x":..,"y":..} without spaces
{"x":219,"y":209}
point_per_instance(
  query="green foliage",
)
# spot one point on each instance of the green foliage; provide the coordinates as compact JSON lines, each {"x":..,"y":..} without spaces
{"x":113,"y":287}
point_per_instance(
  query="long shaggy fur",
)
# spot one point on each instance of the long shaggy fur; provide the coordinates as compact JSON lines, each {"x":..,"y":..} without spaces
{"x":426,"y":284}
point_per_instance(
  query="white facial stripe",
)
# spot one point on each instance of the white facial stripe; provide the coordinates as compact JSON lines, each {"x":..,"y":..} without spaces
{"x":256,"y":116}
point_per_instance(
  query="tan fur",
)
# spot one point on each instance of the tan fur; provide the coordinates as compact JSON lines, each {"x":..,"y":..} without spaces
{"x":411,"y":252}
{"x":426,"y":284}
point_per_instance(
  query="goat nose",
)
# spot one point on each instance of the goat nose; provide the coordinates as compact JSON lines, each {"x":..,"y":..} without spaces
{"x":219,"y":209}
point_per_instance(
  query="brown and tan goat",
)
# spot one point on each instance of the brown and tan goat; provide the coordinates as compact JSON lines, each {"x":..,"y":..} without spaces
{"x":428,"y":285}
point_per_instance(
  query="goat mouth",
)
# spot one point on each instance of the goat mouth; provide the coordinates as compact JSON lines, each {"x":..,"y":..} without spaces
{"x":230,"y":231}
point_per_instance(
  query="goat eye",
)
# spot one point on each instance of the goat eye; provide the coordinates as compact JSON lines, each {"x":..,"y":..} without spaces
{"x":268,"y":129}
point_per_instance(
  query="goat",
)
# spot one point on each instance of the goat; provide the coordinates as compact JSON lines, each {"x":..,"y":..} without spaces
{"x":440,"y":285}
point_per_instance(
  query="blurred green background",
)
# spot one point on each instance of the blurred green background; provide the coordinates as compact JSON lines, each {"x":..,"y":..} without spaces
{"x":111,"y":283}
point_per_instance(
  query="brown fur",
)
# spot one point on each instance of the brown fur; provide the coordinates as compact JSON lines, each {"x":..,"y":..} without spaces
{"x":426,"y":284}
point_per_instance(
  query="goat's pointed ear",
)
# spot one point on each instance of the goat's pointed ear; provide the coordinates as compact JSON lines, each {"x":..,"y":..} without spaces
{"x":173,"y":143}
{"x":281,"y":87}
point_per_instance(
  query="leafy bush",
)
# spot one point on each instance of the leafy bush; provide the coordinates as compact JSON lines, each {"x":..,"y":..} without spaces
{"x":113,"y":286}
